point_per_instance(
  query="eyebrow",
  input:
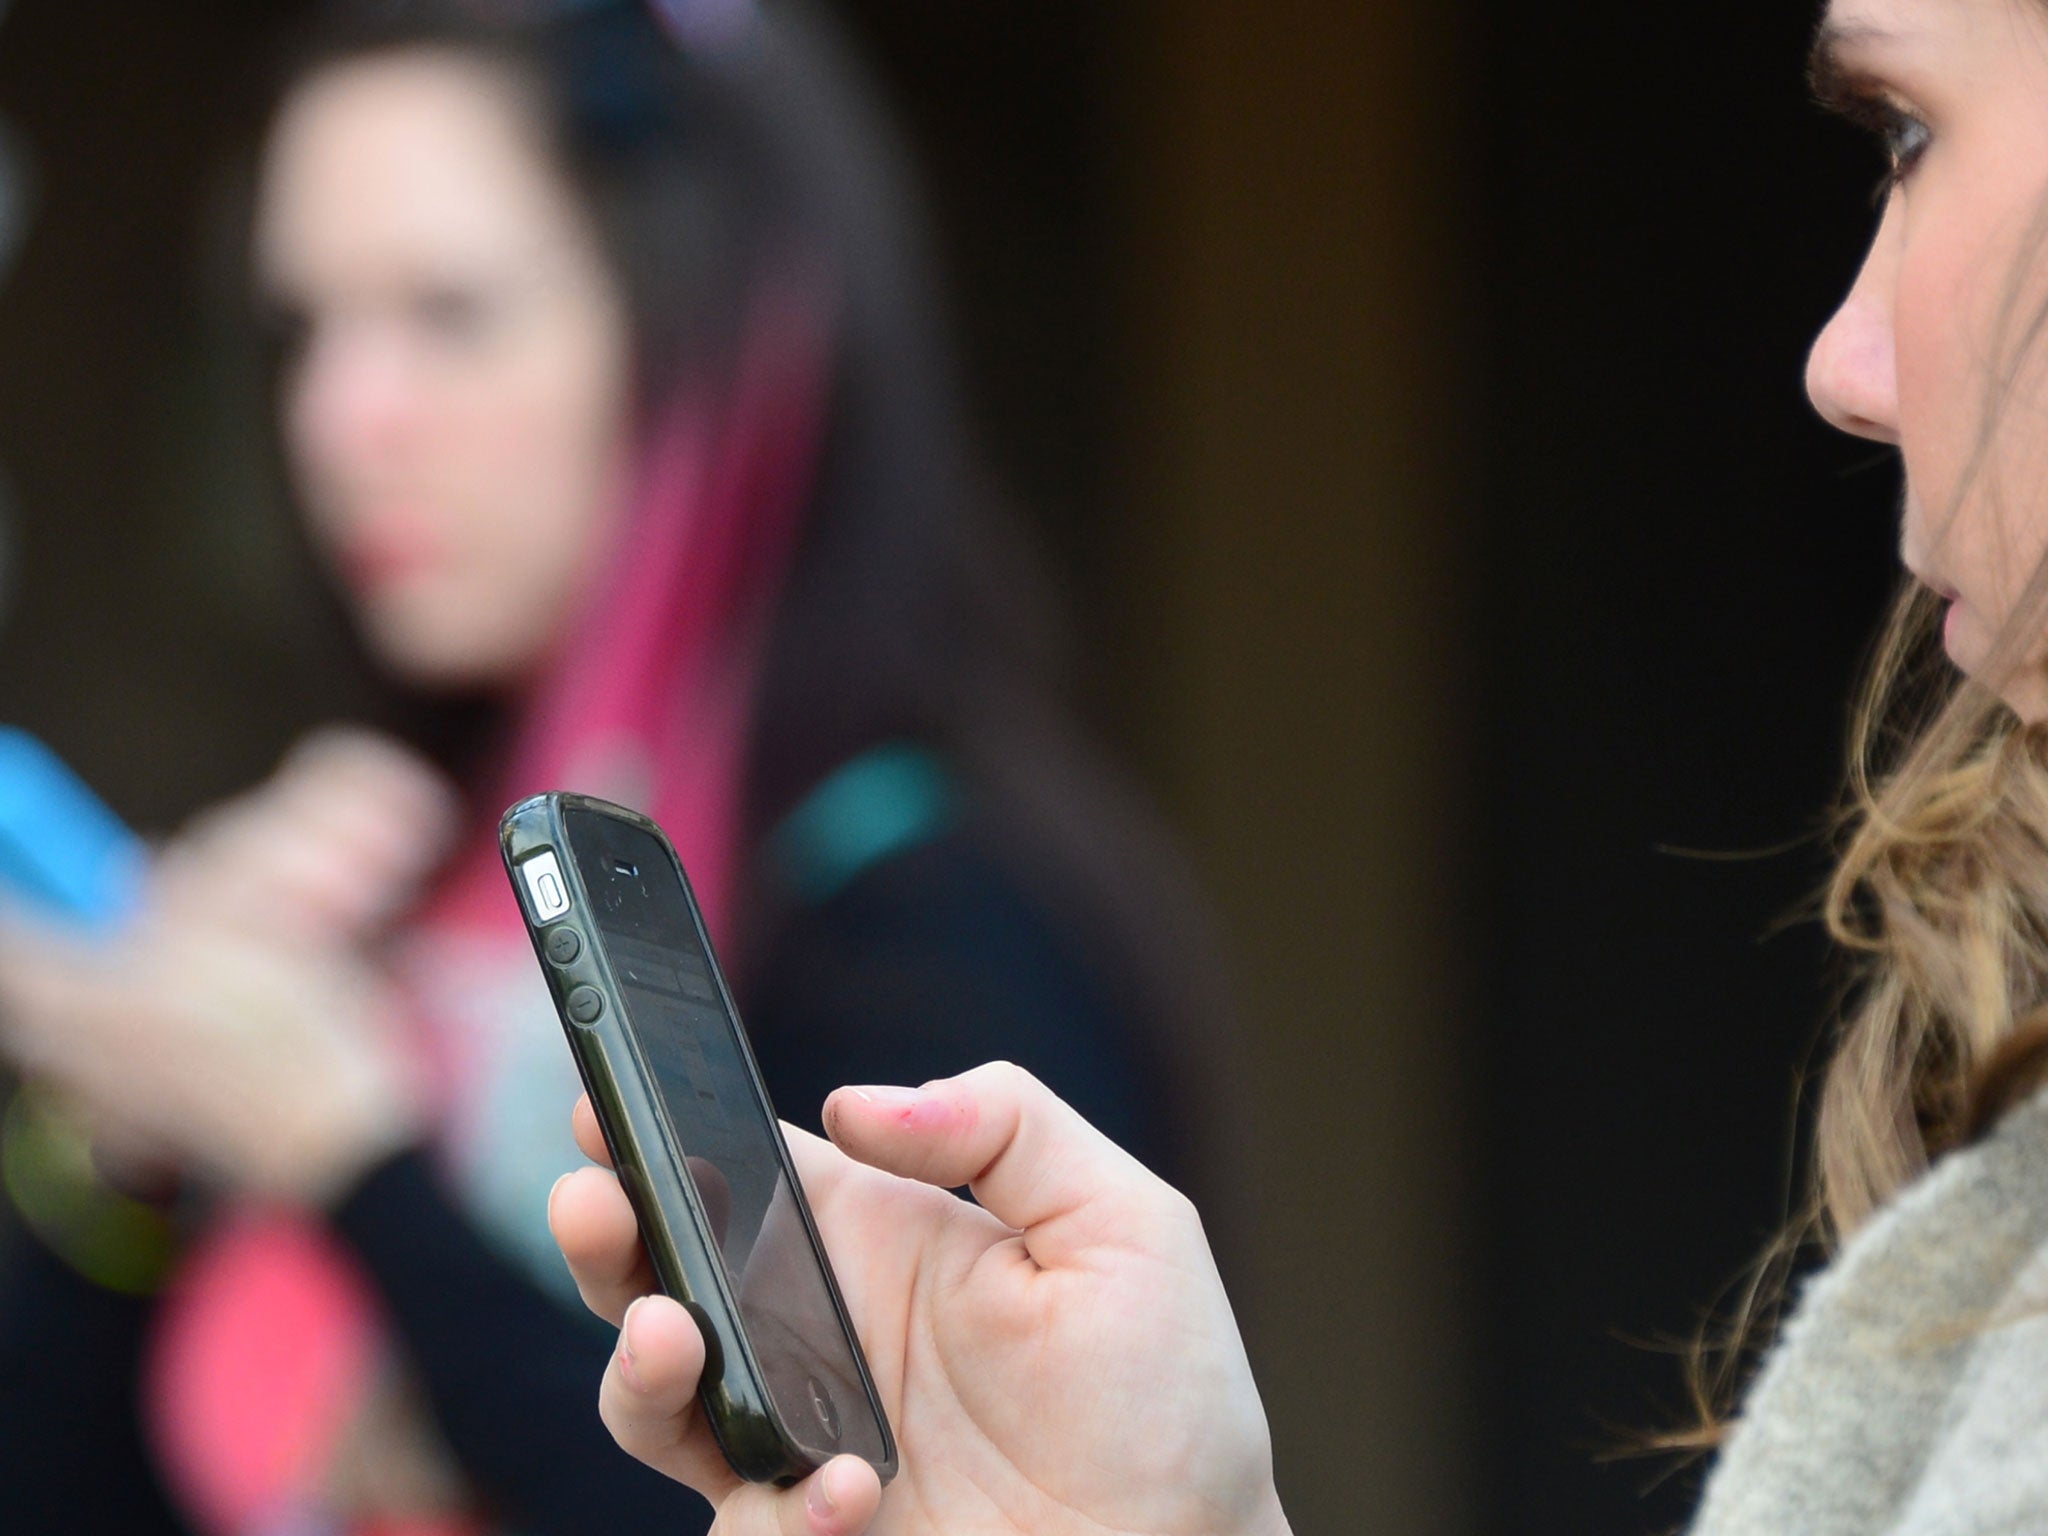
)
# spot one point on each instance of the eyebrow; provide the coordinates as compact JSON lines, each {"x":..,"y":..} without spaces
{"x":1837,"y":84}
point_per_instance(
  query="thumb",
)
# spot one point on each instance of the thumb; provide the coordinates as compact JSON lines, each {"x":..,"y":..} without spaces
{"x":839,"y":1499}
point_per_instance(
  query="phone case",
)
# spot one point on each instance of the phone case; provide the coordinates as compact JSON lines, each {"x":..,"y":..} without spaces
{"x":675,"y":1228}
{"x":61,"y":848}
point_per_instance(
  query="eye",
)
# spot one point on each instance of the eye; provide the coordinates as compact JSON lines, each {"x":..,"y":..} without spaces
{"x":1867,"y":102}
{"x":452,"y":314}
{"x":1904,"y":139}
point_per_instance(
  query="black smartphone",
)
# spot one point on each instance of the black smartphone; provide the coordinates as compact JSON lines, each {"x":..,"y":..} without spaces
{"x":693,"y":1135}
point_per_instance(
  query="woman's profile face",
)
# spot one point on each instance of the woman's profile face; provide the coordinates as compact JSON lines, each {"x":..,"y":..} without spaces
{"x":1930,"y":338}
{"x":455,"y":393}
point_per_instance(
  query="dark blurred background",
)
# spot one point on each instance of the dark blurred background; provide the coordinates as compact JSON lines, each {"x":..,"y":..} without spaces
{"x":1409,"y":394}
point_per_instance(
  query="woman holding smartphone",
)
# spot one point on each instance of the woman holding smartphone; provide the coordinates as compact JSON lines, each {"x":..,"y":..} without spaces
{"x":1908,"y":1392}
{"x":610,"y":397}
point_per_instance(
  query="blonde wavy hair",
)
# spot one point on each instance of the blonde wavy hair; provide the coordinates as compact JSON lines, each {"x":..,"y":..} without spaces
{"x":1938,"y":901}
{"x":1941,"y":898}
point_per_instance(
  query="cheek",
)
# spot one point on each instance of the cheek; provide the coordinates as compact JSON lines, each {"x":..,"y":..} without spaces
{"x":546,"y":447}
{"x":1963,"y":511}
{"x":1979,"y":500}
{"x":1932,"y":359}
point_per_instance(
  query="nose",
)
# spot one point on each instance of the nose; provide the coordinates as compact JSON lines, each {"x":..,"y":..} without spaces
{"x":352,"y":398}
{"x":1851,"y":374}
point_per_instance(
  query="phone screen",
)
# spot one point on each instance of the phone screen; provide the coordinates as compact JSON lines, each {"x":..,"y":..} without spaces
{"x":691,"y":1047}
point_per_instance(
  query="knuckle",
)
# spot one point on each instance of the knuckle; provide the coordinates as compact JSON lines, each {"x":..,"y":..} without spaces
{"x":611,"y":1413}
{"x":1174,"y":1207}
{"x":1008,"y":1078}
{"x":595,"y":1295}
{"x":639,"y":1432}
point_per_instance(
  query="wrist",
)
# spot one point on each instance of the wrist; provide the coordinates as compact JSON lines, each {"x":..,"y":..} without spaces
{"x":1270,"y":1520}
{"x":1258,"y":1513}
{"x":328,"y":1165}
{"x":359,"y":1108}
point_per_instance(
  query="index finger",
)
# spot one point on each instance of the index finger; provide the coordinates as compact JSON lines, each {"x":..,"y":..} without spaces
{"x":1029,"y":1158}
{"x":594,"y":1227}
{"x":817,"y":1162}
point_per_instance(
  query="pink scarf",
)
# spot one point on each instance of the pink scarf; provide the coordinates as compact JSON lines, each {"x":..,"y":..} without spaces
{"x":269,"y":1340}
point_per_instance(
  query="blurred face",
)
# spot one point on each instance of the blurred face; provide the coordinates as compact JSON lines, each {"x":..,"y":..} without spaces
{"x":1927,"y":344}
{"x":456,"y":390}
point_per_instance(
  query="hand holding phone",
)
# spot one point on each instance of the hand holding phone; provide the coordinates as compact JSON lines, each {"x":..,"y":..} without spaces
{"x":1061,"y":1358}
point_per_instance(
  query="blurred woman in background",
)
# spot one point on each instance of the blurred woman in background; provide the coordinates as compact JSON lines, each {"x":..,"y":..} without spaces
{"x":612,"y":399}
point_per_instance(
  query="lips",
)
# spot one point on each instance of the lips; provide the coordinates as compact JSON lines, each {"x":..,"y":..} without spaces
{"x":379,"y":557}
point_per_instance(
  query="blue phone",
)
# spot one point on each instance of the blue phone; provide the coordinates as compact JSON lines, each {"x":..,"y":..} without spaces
{"x":61,"y":849}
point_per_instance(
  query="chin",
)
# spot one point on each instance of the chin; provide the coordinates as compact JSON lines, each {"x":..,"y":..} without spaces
{"x":2022,"y":689}
{"x":434,"y":660}
{"x":2027,"y":698}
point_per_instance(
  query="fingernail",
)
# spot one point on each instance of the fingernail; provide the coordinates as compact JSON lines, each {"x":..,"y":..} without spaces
{"x":912,"y":1109}
{"x":890,"y":1098}
{"x":627,"y":1368}
{"x":822,"y":1505}
{"x":553,"y":1190}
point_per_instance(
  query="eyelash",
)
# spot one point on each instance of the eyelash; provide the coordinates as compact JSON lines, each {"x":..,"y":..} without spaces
{"x":1904,"y":139}
{"x":1901,"y":136}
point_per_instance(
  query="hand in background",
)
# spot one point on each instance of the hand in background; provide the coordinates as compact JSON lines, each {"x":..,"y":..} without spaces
{"x":323,"y":854}
{"x":1059,"y":1358}
{"x":239,"y":1026}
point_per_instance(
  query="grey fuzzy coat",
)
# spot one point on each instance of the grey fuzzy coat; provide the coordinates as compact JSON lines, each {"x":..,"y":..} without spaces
{"x":1909,"y":1395}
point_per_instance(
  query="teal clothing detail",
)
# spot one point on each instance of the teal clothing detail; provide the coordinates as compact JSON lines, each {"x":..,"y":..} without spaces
{"x":885,"y":802}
